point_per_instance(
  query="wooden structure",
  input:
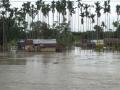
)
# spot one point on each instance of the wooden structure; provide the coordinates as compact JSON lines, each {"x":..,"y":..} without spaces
{"x":40,"y":45}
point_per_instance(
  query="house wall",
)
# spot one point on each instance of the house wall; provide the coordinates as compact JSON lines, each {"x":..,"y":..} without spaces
{"x":48,"y":49}
{"x":29,"y":48}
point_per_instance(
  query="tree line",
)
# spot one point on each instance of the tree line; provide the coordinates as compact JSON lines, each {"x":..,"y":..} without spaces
{"x":14,"y":23}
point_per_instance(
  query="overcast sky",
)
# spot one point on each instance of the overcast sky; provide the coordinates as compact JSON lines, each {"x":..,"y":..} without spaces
{"x":18,"y":3}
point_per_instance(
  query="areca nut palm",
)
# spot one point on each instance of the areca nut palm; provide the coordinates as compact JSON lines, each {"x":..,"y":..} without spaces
{"x":39,"y":6}
{"x":53,"y":10}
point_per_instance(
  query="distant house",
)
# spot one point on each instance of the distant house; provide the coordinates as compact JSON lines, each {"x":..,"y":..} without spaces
{"x":111,"y":41}
{"x":85,"y":43}
{"x":98,"y":42}
{"x":21,"y":44}
{"x":42,"y":45}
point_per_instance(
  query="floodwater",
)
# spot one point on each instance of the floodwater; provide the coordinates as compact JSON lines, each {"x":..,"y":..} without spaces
{"x":72,"y":70}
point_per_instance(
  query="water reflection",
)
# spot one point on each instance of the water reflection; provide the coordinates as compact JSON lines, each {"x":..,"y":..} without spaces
{"x":71,"y":70}
{"x":12,"y":62}
{"x":76,"y":55}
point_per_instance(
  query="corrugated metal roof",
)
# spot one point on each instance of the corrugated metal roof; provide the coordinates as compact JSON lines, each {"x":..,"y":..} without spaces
{"x":44,"y":41}
{"x":98,"y":41}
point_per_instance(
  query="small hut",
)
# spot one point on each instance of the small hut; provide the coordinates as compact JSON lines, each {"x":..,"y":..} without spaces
{"x":42,"y":45}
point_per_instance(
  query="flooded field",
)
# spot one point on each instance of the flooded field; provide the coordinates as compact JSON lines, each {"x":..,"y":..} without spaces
{"x":72,"y":70}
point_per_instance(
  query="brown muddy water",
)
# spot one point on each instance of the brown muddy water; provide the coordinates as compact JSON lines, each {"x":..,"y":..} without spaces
{"x":72,"y":70}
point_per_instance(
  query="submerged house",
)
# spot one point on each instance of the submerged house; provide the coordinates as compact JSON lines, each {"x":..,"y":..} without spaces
{"x":21,"y":44}
{"x":42,"y":45}
{"x":85,"y":43}
{"x":112,"y":42}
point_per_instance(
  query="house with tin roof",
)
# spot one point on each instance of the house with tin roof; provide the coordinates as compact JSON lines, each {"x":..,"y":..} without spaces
{"x":42,"y":45}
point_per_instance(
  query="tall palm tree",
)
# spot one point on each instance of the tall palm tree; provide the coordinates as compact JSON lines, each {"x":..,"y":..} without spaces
{"x":5,"y":6}
{"x":33,"y":12}
{"x":118,"y":11}
{"x":98,"y":9}
{"x":44,"y":10}
{"x":58,"y":8}
{"x":3,"y":31}
{"x":15,"y":11}
{"x":25,"y":12}
{"x":53,"y":10}
{"x":82,"y":13}
{"x":86,"y":7}
{"x":79,"y":7}
{"x":92,"y":17}
{"x":48,"y":10}
{"x":92,"y":21}
{"x":107,"y":11}
{"x":116,"y":24}
{"x":26,"y":7}
{"x":82,"y":19}
{"x":63,"y":9}
{"x":71,"y":10}
{"x":39,"y":5}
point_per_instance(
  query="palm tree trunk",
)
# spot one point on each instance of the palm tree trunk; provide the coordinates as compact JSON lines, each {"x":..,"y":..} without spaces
{"x":53,"y":20}
{"x":38,"y":16}
{"x":3,"y":35}
{"x":48,"y":19}
{"x":59,"y":19}
{"x":97,"y":29}
{"x":78,"y":19}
